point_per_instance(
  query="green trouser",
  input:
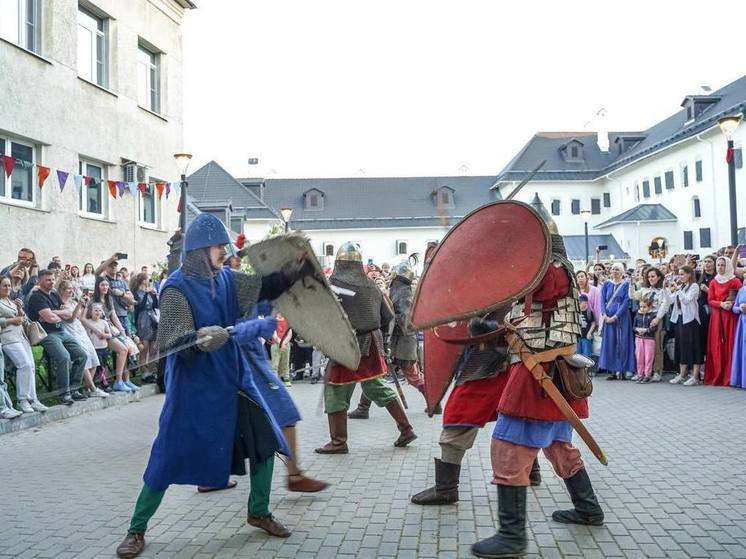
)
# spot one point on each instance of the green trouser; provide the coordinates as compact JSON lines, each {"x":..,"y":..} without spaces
{"x":337,"y":396}
{"x":261,"y":486}
{"x":281,"y":361}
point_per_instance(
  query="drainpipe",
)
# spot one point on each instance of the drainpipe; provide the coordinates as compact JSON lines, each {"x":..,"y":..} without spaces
{"x":717,"y":239}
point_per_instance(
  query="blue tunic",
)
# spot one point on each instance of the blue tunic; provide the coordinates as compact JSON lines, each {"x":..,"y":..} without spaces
{"x":618,"y":341}
{"x":197,"y":426}
{"x":738,"y":370}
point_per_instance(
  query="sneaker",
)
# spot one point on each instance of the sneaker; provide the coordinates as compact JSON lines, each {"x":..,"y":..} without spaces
{"x":67,"y":399}
{"x":611,"y":376}
{"x":78,"y":396}
{"x":287,"y":383}
{"x":10,"y":413}
{"x":132,"y":386}
{"x":636,"y":378}
{"x":693,"y":381}
{"x":678,"y":379}
{"x":25,"y":407}
{"x":645,"y":380}
{"x":656,"y":377}
{"x":36,"y":405}
{"x":119,"y":386}
{"x":97,"y":393}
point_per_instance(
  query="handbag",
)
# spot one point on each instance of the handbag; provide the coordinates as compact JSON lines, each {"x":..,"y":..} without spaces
{"x":573,"y":381}
{"x":34,"y":332}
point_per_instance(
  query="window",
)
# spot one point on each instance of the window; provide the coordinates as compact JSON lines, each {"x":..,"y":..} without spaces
{"x":19,"y":23}
{"x":575,"y":207}
{"x":688,"y":240}
{"x":646,"y":189}
{"x":696,"y":207}
{"x":148,"y":79}
{"x":237,"y":224}
{"x":574,"y":152}
{"x":658,"y":186}
{"x":669,"y":180}
{"x":401,"y":247}
{"x":444,"y":197}
{"x":21,"y":185}
{"x":637,"y":192}
{"x":698,"y":170}
{"x":92,"y":46}
{"x":555,"y":207}
{"x":607,"y":199}
{"x":704,"y":238}
{"x":685,"y":175}
{"x":314,"y":200}
{"x":329,"y":249}
{"x":92,"y":200}
{"x":147,"y":205}
{"x":595,"y":206}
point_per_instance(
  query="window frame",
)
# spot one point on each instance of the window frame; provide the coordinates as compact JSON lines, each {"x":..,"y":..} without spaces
{"x":399,"y":244}
{"x":699,"y":173}
{"x":559,"y":206}
{"x":240,"y":219}
{"x":307,"y":197}
{"x":688,"y":240}
{"x":153,"y":74}
{"x":607,"y":199}
{"x":83,"y":163}
{"x":575,"y":206}
{"x":595,"y":206}
{"x":95,"y":35}
{"x":157,"y":206}
{"x":666,"y":174}
{"x":30,"y":42}
{"x":696,"y":207}
{"x":646,"y":188}
{"x":7,"y":197}
{"x":684,"y":167}
{"x":658,"y":185}
{"x":637,"y":192}
{"x":708,"y":236}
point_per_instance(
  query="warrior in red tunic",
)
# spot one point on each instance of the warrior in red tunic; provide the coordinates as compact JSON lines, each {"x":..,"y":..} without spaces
{"x":368,"y":312}
{"x":545,"y":325}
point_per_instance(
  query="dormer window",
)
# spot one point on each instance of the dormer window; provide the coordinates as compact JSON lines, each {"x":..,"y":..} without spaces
{"x":628,"y":142}
{"x":314,"y":200}
{"x":573,"y":150}
{"x":444,"y":197}
{"x":695,"y":105}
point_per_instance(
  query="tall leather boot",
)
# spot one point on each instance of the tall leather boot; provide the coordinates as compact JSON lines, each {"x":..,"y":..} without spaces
{"x":587,"y":511}
{"x":406,"y":433}
{"x":296,"y":480}
{"x":363,"y":409}
{"x":338,"y":434}
{"x":535,"y":476}
{"x":445,"y":490}
{"x":510,"y":540}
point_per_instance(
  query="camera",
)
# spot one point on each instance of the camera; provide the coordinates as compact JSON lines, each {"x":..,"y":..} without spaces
{"x":602,"y":247}
{"x":121,"y":256}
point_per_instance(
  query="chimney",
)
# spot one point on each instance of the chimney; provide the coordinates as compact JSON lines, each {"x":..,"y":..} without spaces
{"x":602,"y":131}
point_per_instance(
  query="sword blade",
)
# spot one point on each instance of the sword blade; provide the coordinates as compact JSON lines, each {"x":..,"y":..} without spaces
{"x":525,"y":181}
{"x":176,"y":349}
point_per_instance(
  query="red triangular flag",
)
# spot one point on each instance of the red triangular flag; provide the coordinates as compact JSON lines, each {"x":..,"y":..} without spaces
{"x":8,"y":162}
{"x":88,"y":180}
{"x":240,"y":241}
{"x":43,"y":174}
{"x":142,"y":187}
{"x":159,"y":186}
{"x":112,"y":188}
{"x":729,"y":156}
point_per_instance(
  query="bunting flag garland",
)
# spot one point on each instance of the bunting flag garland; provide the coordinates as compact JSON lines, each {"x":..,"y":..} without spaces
{"x":78,"y":182}
{"x":88,"y":180}
{"x":8,"y":162}
{"x":159,"y":186}
{"x":112,"y":188}
{"x":62,"y":178}
{"x":168,"y":189}
{"x":43,"y":174}
{"x":142,"y":187}
{"x":120,"y":188}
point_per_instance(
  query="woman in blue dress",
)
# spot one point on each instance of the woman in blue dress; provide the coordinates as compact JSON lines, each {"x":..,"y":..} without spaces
{"x":618,"y":343}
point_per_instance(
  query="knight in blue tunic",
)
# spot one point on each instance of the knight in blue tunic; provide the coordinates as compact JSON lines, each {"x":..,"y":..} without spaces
{"x":214,"y":417}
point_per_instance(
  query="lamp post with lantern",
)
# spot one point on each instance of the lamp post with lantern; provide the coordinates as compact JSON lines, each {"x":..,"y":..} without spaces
{"x":286,"y":214}
{"x":728,"y":125}
{"x":182,"y":160}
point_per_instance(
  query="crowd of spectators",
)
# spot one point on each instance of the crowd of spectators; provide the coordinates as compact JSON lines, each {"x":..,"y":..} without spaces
{"x":686,"y":316}
{"x":80,"y":320}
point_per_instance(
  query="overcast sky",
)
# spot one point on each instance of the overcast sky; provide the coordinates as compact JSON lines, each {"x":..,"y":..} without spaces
{"x":395,"y":88}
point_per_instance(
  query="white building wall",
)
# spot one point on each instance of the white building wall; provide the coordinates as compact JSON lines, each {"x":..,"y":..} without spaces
{"x":45,"y":102}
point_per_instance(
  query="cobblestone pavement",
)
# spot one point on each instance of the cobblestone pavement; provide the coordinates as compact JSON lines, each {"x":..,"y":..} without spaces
{"x":674,"y":487}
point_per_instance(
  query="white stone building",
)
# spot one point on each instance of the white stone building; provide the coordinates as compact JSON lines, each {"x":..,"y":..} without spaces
{"x":94,"y":88}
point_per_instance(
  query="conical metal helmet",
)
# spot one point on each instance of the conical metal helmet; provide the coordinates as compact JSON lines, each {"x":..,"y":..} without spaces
{"x":404,"y":270}
{"x":350,"y":252}
{"x":538,"y":205}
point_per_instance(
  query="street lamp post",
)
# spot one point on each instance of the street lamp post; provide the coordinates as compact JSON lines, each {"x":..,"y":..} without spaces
{"x":586,"y":215}
{"x":660,"y":242}
{"x":728,"y":125}
{"x":182,"y":160}
{"x":286,"y":213}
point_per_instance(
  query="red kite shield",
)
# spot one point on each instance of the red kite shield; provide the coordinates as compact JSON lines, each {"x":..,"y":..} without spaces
{"x":439,"y":365}
{"x":492,"y":257}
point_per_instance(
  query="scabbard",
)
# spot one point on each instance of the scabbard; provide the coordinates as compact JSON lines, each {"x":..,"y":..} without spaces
{"x":398,"y":385}
{"x":531,"y":362}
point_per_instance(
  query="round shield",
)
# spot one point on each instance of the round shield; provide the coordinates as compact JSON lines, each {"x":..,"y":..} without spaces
{"x":492,"y":257}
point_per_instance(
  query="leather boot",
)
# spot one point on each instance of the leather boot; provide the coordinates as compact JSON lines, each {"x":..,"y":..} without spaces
{"x":363,"y":409}
{"x":510,"y":540}
{"x":132,"y":546}
{"x":445,"y":490}
{"x":338,"y":434}
{"x":407,"y":434}
{"x":587,"y":511}
{"x":296,"y":480}
{"x":437,"y":411}
{"x":535,"y":476}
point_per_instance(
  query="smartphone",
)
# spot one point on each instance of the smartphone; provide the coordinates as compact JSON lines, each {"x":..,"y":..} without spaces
{"x":602,"y":247}
{"x":121,"y":256}
{"x":742,"y":251}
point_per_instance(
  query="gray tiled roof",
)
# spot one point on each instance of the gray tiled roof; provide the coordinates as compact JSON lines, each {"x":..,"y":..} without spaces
{"x":575,"y":246}
{"x":642,"y":212}
{"x":546,"y":145}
